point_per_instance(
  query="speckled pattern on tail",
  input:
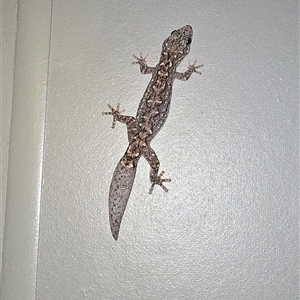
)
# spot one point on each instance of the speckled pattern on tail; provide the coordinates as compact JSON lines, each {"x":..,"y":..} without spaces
{"x":120,"y":188}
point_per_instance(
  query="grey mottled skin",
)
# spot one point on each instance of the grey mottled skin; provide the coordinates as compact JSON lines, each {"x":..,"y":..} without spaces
{"x":151,"y":116}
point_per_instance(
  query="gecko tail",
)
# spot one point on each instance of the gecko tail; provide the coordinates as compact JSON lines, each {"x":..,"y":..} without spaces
{"x":119,"y":192}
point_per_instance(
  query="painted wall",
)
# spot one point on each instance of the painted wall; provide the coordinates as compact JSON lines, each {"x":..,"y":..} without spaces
{"x":228,"y":227}
{"x":8,"y":30}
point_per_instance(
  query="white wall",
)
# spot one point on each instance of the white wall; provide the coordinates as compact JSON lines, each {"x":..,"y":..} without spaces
{"x":8,"y":30}
{"x":227,"y":228}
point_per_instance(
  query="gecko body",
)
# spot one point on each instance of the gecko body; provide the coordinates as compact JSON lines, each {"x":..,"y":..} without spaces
{"x":151,"y":115}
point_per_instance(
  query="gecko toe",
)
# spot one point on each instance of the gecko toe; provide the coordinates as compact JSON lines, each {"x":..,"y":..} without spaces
{"x":159,"y":181}
{"x":114,"y":112}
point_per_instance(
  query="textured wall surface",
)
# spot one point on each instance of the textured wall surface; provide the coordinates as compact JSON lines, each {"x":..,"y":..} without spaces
{"x":9,"y":24}
{"x":228,"y":227}
{"x":20,"y":247}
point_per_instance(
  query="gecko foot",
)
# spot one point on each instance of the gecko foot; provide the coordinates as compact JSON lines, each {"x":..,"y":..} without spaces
{"x":192,"y":67}
{"x":114,"y":112}
{"x":159,"y":181}
{"x":140,"y":60}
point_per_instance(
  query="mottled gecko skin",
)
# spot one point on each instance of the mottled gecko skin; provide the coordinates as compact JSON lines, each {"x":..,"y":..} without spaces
{"x":151,"y":116}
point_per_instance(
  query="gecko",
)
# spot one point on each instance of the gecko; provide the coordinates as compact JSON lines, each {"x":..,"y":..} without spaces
{"x":151,"y":115}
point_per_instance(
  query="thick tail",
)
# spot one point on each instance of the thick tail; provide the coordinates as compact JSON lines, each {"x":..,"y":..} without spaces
{"x":120,"y":189}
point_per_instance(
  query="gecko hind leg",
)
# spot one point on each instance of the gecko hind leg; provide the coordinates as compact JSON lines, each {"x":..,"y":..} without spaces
{"x":153,"y":161}
{"x":159,"y":181}
{"x":117,"y":116}
{"x":116,"y":113}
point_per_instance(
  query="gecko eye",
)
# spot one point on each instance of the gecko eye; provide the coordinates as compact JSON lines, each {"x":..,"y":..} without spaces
{"x":189,"y":41}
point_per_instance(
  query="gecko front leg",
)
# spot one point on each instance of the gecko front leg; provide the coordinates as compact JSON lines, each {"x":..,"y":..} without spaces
{"x":153,"y":161}
{"x":145,"y":69}
{"x":192,"y":68}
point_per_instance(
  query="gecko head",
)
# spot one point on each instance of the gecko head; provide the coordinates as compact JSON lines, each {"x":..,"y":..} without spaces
{"x":177,"y":46}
